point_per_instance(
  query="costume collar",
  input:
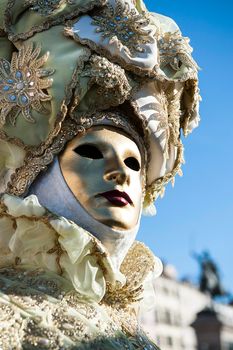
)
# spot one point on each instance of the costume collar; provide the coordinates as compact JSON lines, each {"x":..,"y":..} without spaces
{"x":32,"y":237}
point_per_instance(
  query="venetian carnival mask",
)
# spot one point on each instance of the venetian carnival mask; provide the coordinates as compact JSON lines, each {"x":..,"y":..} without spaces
{"x":104,"y":170}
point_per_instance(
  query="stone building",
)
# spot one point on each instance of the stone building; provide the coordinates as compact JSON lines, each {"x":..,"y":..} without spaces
{"x":175,"y":311}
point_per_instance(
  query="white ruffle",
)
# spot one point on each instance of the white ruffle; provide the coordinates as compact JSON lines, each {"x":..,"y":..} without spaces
{"x":34,"y":238}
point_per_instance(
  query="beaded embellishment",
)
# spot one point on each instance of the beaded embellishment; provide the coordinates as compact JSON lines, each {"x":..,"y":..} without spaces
{"x":125,"y":24}
{"x":175,"y":50}
{"x":22,"y":84}
{"x":111,"y":79}
{"x":45,"y":7}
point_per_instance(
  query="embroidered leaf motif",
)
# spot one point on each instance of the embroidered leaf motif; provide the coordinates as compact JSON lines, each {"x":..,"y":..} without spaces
{"x":22,"y":84}
{"x":125,"y":24}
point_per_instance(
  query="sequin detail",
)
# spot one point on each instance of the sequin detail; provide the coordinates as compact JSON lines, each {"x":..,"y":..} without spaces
{"x":125,"y":24}
{"x":111,"y":79}
{"x":34,"y":319}
{"x":175,"y":50}
{"x":138,"y":262}
{"x":22,"y":84}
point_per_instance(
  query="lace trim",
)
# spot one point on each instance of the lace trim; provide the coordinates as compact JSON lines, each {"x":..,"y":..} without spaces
{"x":157,"y":188}
{"x":168,"y":115}
{"x":48,"y":22}
{"x":175,"y":115}
{"x":190,"y":109}
{"x":46,"y":8}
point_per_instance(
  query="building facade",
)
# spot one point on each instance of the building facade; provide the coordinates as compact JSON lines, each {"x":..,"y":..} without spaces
{"x":176,"y":306}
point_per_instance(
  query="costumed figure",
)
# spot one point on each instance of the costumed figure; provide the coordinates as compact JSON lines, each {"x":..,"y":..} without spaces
{"x":94,"y":96}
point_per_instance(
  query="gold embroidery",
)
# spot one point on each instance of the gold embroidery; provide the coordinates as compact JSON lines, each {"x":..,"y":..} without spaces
{"x":136,"y":265}
{"x":175,"y":50}
{"x":111,"y":79}
{"x":125,"y":24}
{"x":22,"y":84}
{"x":146,"y":73}
{"x":49,"y":319}
{"x":38,"y":337}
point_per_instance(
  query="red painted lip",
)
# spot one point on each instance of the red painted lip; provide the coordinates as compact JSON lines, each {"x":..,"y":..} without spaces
{"x":117,"y":198}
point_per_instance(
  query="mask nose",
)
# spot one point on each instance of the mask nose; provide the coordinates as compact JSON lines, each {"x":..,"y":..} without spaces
{"x":117,"y":173}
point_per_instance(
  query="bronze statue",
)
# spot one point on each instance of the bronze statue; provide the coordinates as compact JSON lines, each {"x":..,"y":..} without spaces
{"x":209,"y":281}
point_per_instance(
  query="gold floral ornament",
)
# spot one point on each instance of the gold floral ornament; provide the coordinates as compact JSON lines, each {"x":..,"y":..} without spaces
{"x":22,"y":83}
{"x":125,"y":24}
{"x":175,"y":50}
{"x":45,"y":7}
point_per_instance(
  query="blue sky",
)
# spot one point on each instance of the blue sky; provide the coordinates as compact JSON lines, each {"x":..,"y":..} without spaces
{"x":197,"y":213}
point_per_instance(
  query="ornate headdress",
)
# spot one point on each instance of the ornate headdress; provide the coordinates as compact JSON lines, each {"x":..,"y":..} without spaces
{"x":63,"y":61}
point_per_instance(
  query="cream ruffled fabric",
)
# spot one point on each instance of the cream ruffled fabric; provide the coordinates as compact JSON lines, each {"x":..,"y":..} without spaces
{"x":37,"y":239}
{"x":30,"y":237}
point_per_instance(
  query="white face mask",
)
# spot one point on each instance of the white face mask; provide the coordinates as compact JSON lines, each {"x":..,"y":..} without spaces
{"x":53,"y":193}
{"x":103,"y":169}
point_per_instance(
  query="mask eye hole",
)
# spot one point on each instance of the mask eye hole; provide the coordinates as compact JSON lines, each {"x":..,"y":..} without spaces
{"x":132,"y":163}
{"x":88,"y":151}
